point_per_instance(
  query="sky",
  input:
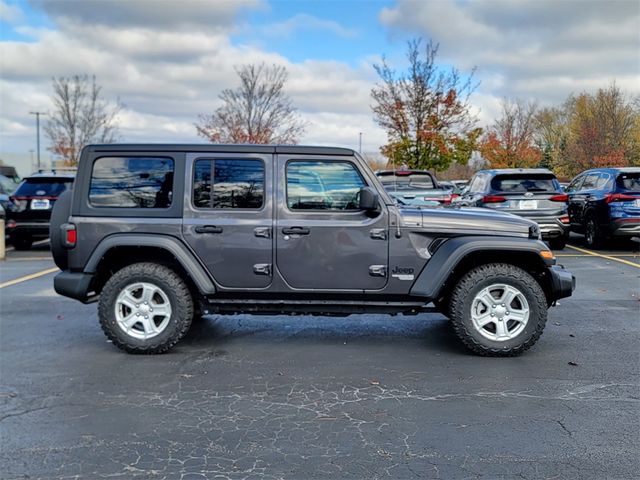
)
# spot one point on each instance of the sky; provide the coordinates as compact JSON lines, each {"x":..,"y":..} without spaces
{"x":167,"y":61}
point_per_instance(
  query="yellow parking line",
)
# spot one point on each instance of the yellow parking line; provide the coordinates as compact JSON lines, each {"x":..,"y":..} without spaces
{"x":29,"y":277}
{"x":608,"y":257}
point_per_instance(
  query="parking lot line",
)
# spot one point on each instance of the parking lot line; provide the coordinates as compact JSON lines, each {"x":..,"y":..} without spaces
{"x":31,"y":276}
{"x":608,"y":257}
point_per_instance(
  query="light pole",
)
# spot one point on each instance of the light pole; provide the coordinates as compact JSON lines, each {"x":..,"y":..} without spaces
{"x":37,"y":114}
{"x":360,"y":143}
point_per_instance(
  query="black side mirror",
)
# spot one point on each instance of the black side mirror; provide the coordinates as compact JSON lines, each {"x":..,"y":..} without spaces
{"x":368,"y":199}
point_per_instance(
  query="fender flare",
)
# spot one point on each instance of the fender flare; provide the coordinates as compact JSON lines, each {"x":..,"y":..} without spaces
{"x":435,"y":273}
{"x":171,"y":244}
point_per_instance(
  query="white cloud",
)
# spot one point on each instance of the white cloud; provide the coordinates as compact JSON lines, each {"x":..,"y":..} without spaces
{"x":10,"y":13}
{"x":542,"y":50}
{"x":303,"y":22}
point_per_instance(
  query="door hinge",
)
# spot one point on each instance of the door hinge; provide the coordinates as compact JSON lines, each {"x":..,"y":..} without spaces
{"x":378,"y":270}
{"x":262,"y":269}
{"x":378,"y":233}
{"x":264,"y":232}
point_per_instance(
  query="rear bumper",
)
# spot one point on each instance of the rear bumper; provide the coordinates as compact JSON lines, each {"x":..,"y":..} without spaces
{"x":74,"y":285}
{"x":563,"y":283}
{"x":551,"y":227}
{"x":625,"y":227}
{"x":28,"y":228}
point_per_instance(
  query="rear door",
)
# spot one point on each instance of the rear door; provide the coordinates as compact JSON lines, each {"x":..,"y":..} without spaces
{"x":228,"y":217}
{"x":323,"y":240}
{"x":581,"y":198}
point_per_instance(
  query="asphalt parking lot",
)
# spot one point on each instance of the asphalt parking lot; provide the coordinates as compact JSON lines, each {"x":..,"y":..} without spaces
{"x":365,"y":396}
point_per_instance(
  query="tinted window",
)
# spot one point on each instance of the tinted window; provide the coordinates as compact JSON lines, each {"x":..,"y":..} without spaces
{"x":590,"y":181}
{"x":323,"y":186}
{"x":7,"y":186}
{"x":132,"y":182}
{"x":629,"y":181}
{"x":525,"y":183}
{"x":604,"y":181}
{"x":575,"y":184}
{"x":235,"y":184}
{"x":49,"y":187}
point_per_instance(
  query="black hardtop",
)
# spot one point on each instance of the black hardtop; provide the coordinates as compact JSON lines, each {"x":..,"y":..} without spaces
{"x":225,"y":148}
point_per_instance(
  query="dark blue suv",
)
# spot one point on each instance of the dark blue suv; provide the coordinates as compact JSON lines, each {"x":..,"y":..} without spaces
{"x":605,"y":203}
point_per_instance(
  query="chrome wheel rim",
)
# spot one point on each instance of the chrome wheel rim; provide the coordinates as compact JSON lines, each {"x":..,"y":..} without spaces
{"x":500,"y":312}
{"x":142,"y":310}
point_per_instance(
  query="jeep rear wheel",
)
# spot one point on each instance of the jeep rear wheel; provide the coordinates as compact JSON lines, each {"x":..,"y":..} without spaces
{"x":498,"y":310}
{"x":145,"y":308}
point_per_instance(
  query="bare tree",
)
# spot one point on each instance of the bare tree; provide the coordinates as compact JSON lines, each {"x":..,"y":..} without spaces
{"x":80,"y":117}
{"x":510,"y":141}
{"x":425,"y":111}
{"x":258,"y":111}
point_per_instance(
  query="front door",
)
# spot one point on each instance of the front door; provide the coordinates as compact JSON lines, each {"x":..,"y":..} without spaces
{"x":228,"y":217}
{"x":323,"y":240}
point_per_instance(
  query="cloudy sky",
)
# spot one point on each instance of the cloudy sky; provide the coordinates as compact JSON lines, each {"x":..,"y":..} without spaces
{"x":168,"y":60}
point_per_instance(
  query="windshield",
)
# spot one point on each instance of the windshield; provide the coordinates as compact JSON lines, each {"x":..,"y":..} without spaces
{"x":43,"y":187}
{"x":521,"y":183}
{"x":629,"y":181}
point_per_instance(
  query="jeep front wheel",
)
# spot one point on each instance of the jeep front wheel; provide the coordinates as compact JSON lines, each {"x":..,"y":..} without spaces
{"x":498,"y":310}
{"x":145,"y":308}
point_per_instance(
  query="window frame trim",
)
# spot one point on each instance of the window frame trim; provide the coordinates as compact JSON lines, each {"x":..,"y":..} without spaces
{"x":313,"y":211}
{"x":213,"y":163}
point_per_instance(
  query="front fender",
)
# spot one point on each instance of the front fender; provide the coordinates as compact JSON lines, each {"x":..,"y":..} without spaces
{"x":434,"y":275}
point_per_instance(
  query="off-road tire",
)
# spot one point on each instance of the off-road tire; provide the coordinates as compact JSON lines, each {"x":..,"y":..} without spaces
{"x":21,"y":242}
{"x":478,"y":279}
{"x":558,"y":243}
{"x":173,"y":286}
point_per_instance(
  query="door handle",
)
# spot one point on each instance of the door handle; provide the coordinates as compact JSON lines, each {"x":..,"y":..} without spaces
{"x":296,"y":231}
{"x":208,"y":229}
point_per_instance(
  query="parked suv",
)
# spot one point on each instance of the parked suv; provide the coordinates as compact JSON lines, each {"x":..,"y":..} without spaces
{"x":533,"y":193}
{"x":158,"y":234}
{"x":31,"y":204}
{"x":605,"y":203}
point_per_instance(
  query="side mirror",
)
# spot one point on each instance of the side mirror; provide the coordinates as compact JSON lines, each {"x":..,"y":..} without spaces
{"x":368,"y":199}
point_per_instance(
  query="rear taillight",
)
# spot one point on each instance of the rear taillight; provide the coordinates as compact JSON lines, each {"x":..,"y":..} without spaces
{"x":493,"y":199}
{"x":564,"y":219}
{"x":69,"y":235}
{"x":620,"y":197}
{"x":560,"y":198}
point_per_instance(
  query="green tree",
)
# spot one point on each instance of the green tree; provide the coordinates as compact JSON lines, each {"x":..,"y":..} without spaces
{"x":425,"y":111}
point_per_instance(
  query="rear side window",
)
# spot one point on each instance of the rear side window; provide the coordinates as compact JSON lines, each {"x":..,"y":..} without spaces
{"x":228,"y":184}
{"x":629,"y":181}
{"x":590,"y":181}
{"x":132,"y":182}
{"x":525,"y":183}
{"x":47,"y":187}
{"x":319,"y":185}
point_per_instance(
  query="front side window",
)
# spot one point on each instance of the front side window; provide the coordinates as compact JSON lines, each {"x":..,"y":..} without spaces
{"x":323,"y":185}
{"x":228,"y":184}
{"x":575,"y":184}
{"x":132,"y":182}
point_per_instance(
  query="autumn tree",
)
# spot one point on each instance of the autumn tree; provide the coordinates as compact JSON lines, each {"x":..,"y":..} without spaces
{"x":425,"y":111}
{"x":258,"y":111}
{"x":80,"y":117}
{"x":510,"y":141}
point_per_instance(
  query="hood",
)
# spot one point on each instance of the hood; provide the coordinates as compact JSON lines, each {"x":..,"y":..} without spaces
{"x":474,"y":221}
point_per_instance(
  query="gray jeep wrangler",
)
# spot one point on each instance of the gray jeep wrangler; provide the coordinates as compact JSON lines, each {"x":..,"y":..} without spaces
{"x":161,"y":234}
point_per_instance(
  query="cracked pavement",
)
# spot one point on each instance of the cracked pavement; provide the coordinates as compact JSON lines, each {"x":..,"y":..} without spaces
{"x":366,"y":396}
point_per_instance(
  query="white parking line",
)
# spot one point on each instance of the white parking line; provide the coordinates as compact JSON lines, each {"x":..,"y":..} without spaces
{"x":31,"y":276}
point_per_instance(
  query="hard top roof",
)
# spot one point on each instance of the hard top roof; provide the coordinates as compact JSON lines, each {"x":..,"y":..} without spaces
{"x":508,"y":171}
{"x":212,"y":147}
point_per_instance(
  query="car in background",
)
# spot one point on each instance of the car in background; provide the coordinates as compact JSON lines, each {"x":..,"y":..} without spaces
{"x":605,"y":203}
{"x":29,"y":211}
{"x":7,"y":186}
{"x":415,"y":187}
{"x":533,"y":193}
